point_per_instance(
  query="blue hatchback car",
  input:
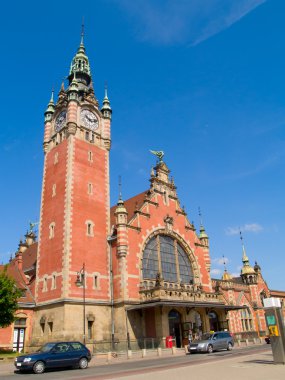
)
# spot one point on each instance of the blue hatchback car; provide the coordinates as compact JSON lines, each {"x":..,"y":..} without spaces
{"x":55,"y":355}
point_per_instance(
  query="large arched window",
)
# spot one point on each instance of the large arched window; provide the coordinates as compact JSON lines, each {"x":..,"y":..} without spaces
{"x":164,"y":255}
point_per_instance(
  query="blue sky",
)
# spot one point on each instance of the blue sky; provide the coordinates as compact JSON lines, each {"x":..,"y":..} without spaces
{"x":202,"y":80}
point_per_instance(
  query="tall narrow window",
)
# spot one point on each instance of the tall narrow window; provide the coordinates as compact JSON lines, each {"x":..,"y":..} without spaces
{"x":51,"y":230}
{"x":90,"y":156}
{"x":87,"y":136}
{"x":90,"y":329}
{"x":246,"y":320}
{"x":95,"y":281}
{"x":55,"y":158}
{"x":53,"y":283}
{"x":50,"y":327}
{"x":45,"y":285}
{"x":53,"y":190}
{"x":89,"y":228}
{"x":90,"y":188}
{"x":42,"y":324}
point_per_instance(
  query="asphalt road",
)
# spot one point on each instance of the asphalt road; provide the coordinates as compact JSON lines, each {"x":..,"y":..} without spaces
{"x":138,"y":366}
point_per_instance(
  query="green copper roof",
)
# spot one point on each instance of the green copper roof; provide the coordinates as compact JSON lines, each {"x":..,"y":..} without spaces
{"x":50,"y":107}
{"x":202,"y":232}
{"x":106,"y":102}
{"x":80,"y":65}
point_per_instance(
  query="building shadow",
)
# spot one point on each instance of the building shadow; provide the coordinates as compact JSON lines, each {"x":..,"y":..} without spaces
{"x":260,"y":361}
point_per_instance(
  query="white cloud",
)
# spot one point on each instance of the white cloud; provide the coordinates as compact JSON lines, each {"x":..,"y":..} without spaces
{"x":252,"y":227}
{"x":216,"y":272}
{"x":170,"y":22}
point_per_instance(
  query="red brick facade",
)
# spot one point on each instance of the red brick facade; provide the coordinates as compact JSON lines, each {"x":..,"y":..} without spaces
{"x":146,"y":268}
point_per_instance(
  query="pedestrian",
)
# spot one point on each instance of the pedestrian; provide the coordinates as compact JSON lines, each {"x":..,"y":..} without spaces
{"x":190,"y":336}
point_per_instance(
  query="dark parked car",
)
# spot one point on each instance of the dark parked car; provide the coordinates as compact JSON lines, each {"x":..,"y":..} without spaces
{"x":212,"y":342}
{"x":55,"y":355}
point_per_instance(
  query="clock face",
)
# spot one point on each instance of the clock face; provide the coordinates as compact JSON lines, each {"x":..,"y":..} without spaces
{"x":60,"y":121}
{"x":89,"y":119}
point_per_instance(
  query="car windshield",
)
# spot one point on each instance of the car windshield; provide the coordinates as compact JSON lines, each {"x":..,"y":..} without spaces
{"x":47,"y":347}
{"x":206,"y":336}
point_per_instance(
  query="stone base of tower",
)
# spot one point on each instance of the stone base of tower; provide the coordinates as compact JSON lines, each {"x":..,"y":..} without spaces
{"x":64,"y":321}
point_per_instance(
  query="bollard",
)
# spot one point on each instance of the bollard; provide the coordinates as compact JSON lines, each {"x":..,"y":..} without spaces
{"x":186,"y":350}
{"x":254,"y":341}
{"x":129,"y":354}
{"x":109,"y":357}
{"x":143,"y":353}
{"x":246,"y":342}
{"x":173,"y":350}
{"x":159,"y":352}
{"x":238,"y":343}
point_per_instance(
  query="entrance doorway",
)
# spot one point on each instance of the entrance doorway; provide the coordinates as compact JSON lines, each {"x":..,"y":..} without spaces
{"x":214,"y":321}
{"x":19,"y":334}
{"x":174,"y":320}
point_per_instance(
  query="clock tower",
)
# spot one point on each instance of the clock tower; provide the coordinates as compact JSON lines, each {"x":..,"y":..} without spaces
{"x":74,"y":215}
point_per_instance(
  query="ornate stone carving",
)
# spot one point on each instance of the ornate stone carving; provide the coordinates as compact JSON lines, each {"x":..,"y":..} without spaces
{"x":168,"y":220}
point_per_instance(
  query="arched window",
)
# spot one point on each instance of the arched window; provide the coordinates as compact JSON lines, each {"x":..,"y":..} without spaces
{"x":163,"y":254}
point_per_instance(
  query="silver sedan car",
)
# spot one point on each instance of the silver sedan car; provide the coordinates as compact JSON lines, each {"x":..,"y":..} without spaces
{"x":212,"y":342}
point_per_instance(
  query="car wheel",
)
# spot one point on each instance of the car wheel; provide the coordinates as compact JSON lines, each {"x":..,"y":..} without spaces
{"x":39,"y":367}
{"x":210,"y":349}
{"x":83,"y":363}
{"x":229,"y":347}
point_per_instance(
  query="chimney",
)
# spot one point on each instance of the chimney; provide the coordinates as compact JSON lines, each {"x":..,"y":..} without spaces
{"x":19,"y":260}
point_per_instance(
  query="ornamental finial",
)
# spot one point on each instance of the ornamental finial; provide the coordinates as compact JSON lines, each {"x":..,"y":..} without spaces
{"x":159,"y":154}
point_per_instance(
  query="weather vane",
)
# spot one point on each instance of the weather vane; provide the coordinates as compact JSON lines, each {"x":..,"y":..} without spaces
{"x":158,"y":153}
{"x":32,"y":226}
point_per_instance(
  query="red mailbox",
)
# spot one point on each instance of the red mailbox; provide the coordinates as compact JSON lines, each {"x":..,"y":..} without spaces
{"x":168,"y":342}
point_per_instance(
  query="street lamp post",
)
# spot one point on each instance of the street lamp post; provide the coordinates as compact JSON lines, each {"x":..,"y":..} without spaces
{"x":80,"y":281}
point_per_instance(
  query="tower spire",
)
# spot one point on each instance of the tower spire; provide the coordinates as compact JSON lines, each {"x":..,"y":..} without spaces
{"x":120,"y":188}
{"x":246,"y":271}
{"x":82,"y":33}
{"x":106,"y":108}
{"x":203,"y":235}
{"x":226,"y":276}
{"x":244,"y":256}
{"x":50,"y":108}
{"x":200,"y":215}
{"x":224,"y":262}
{"x":80,"y":65}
